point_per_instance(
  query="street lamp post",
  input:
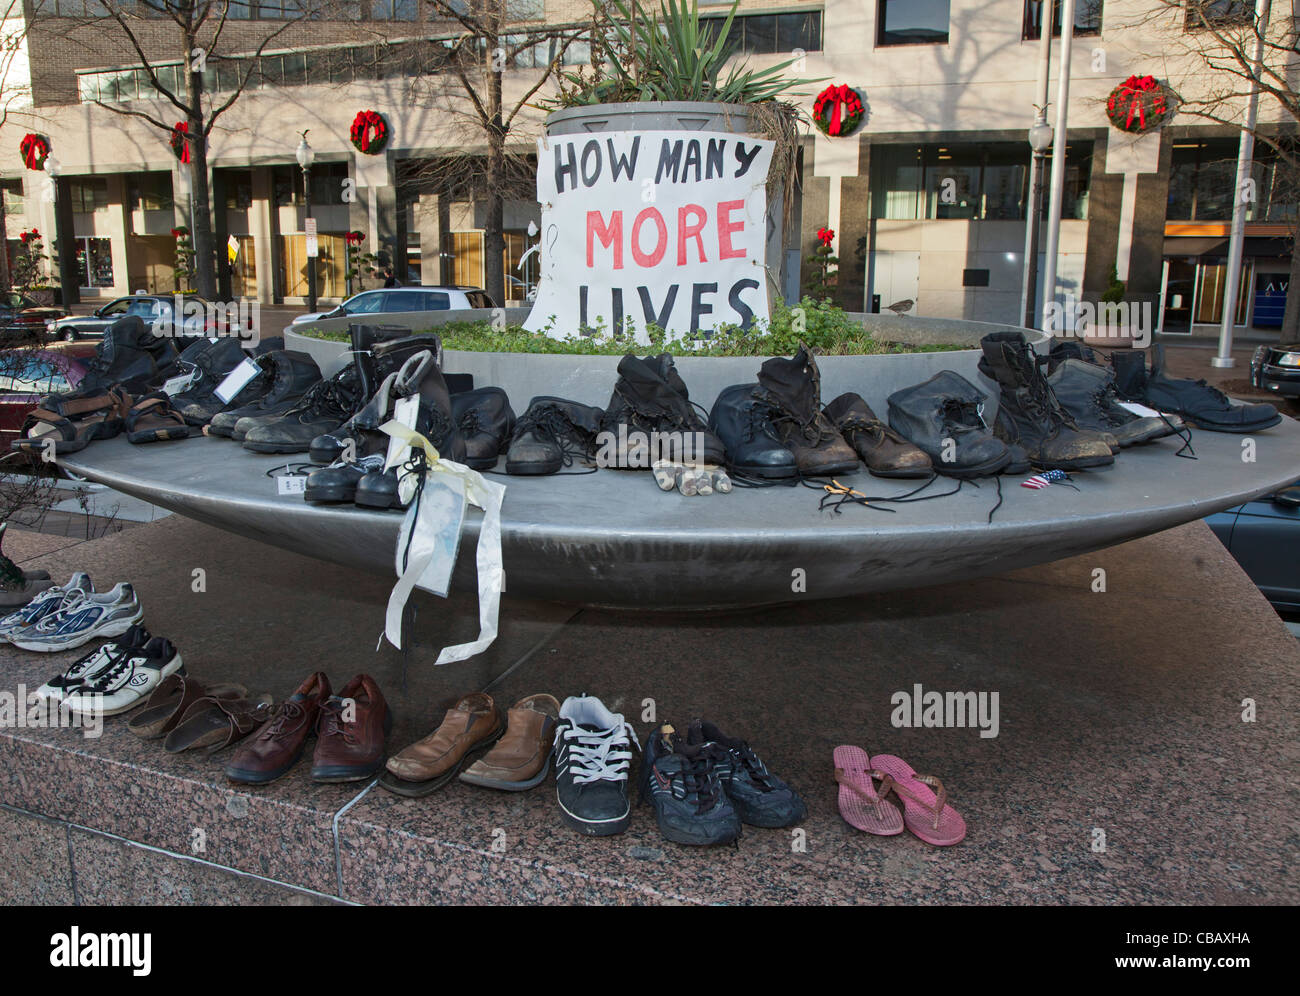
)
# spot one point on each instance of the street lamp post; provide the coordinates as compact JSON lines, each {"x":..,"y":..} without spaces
{"x":65,"y":248}
{"x":1040,"y":140}
{"x":305,"y":156}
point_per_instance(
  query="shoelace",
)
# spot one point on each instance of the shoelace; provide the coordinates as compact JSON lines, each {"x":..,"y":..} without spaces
{"x":700,"y":779}
{"x":73,"y":601}
{"x":599,"y":755}
{"x":284,"y":713}
{"x":1103,"y":400}
{"x":331,"y":722}
{"x":756,"y":769}
{"x":105,"y":678}
{"x":958,"y":414}
{"x":759,"y":418}
{"x":550,"y":424}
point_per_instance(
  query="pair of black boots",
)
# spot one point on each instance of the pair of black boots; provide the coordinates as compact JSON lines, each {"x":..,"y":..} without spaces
{"x":1195,"y":401}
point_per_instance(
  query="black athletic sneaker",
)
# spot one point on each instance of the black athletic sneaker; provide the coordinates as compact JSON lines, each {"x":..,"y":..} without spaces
{"x":592,"y":758}
{"x":761,"y":799}
{"x":683,"y":782}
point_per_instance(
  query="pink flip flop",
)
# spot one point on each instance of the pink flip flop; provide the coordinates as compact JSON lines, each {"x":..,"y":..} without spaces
{"x":925,"y":813}
{"x":860,"y":805}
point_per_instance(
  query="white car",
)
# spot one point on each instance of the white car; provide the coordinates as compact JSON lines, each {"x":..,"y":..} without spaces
{"x":386,"y":301}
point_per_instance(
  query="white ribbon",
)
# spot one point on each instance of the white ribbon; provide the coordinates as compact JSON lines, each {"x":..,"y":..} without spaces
{"x":481,"y":493}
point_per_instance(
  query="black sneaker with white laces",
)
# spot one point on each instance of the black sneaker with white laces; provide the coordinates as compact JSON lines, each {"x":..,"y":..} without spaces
{"x":761,"y":799}
{"x":592,"y":757}
{"x":682,"y":781}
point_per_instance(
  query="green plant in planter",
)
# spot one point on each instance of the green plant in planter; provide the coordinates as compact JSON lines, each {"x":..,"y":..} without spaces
{"x":1115,"y":289}
{"x":668,"y":56}
{"x":31,"y":265}
{"x":183,"y":268}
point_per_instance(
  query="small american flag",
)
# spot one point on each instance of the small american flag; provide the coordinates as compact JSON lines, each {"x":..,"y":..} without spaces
{"x":1039,"y":481}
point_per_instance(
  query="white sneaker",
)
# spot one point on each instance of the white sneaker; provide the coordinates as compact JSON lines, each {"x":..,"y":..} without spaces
{"x":127,"y":681}
{"x":86,"y":668}
{"x":81,"y":618}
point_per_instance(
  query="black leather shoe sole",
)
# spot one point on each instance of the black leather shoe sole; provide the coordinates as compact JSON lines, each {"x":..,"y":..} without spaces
{"x":986,"y":469}
{"x":533,"y":469}
{"x":1231,"y":427}
{"x":418,"y":790}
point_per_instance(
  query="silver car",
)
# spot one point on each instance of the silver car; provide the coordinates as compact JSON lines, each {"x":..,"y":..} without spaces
{"x":391,"y":300}
{"x":149,"y":307}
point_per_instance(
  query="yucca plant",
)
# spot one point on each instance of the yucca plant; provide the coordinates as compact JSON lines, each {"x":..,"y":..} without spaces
{"x":669,"y":56}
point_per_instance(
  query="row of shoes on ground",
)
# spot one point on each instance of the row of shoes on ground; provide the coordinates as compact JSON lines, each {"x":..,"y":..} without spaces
{"x":881,"y":794}
{"x":67,"y":616}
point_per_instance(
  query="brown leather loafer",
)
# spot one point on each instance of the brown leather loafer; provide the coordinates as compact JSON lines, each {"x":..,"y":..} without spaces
{"x":277,"y":745}
{"x":350,"y":733}
{"x":473,"y":725}
{"x":522,"y":757}
{"x":884,"y":451}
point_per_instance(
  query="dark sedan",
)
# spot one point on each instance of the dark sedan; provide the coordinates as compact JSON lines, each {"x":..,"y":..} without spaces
{"x":22,"y":319}
{"x":1277,"y":369}
{"x":1264,"y":537}
{"x":27,"y":375}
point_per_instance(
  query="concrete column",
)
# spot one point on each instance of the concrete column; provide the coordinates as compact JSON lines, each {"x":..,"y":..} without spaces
{"x":261,"y":224}
{"x":118,"y":224}
{"x":428,"y":224}
{"x":854,"y":221}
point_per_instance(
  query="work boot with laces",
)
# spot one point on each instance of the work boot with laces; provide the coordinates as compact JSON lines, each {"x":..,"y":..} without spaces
{"x":120,"y":358}
{"x":485,"y":420}
{"x":551,"y":434}
{"x":292,"y":373}
{"x":1087,"y":392}
{"x":322,"y":409}
{"x":793,"y":388}
{"x":1199,"y":403}
{"x":1029,"y":413}
{"x":944,"y":417}
{"x":275,"y":747}
{"x":684,"y":782}
{"x":746,"y":427}
{"x":651,"y":418}
{"x":884,"y":451}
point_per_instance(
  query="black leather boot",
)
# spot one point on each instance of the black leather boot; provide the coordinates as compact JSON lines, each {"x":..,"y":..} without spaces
{"x":551,"y":434}
{"x":793,"y":387}
{"x":747,"y":429}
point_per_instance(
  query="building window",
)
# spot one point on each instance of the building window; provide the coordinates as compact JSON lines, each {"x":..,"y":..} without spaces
{"x":69,"y":8}
{"x":763,"y":34}
{"x":326,"y":184}
{"x":1203,"y":175}
{"x":1087,"y":18}
{"x":150,"y":191}
{"x":985,"y":182}
{"x":912,"y":22}
{"x":95,"y":262}
{"x":239,"y":189}
{"x":393,"y":10}
{"x":89,"y":195}
{"x":14,"y":203}
{"x":1202,"y":14}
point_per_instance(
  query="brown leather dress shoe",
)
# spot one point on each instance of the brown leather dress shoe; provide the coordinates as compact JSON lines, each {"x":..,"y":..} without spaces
{"x":884,"y":451}
{"x":473,"y":725}
{"x":350,"y":733}
{"x":522,"y":757}
{"x":277,"y":745}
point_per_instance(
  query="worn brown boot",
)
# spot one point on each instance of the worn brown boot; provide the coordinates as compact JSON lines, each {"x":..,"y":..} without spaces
{"x":793,"y":388}
{"x":472,"y":725}
{"x":350,"y":733}
{"x":885,"y":452}
{"x":521,"y":759}
{"x":276,"y":746}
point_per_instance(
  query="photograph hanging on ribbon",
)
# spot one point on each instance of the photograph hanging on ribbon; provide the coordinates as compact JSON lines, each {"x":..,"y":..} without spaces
{"x":437,"y":522}
{"x":663,"y":228}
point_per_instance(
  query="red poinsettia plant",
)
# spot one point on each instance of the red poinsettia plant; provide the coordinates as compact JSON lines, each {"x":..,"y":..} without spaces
{"x":838,"y":110}
{"x":369,"y":132}
{"x":30,"y":236}
{"x":1139,"y":105}
{"x":35,"y":149}
{"x":180,"y":141}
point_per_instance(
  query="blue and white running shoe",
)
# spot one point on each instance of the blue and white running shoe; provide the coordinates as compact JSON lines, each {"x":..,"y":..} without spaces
{"x":82,"y":617}
{"x":44,"y":605}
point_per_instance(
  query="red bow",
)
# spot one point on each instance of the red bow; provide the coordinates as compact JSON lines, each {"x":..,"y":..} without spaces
{"x":180,"y":140}
{"x":1132,"y":95}
{"x":826,"y":236}
{"x":34,"y":149}
{"x":842,"y":96}
{"x":363,"y":124}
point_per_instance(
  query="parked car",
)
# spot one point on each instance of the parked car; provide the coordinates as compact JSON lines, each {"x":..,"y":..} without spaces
{"x":390,"y":300}
{"x":21,"y":318}
{"x":28,"y":374}
{"x":1264,"y":537}
{"x":1277,"y":369}
{"x":150,"y":307}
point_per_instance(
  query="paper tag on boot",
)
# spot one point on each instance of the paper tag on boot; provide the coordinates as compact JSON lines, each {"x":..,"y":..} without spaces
{"x":176,"y":385}
{"x":237,"y":379}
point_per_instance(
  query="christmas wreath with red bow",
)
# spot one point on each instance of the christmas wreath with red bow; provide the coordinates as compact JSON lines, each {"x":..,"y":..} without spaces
{"x":838,"y":110}
{"x":1139,"y":105}
{"x":35,"y":150}
{"x":180,"y":141}
{"x":369,"y":132}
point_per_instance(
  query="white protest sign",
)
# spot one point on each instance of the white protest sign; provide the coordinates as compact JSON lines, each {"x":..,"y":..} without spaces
{"x":651,"y":227}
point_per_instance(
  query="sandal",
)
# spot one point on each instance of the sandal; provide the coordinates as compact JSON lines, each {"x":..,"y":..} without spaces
{"x":152,"y":418}
{"x":172,"y":699}
{"x":925,"y":812}
{"x":214,"y":723}
{"x":72,"y":421}
{"x":860,"y":805}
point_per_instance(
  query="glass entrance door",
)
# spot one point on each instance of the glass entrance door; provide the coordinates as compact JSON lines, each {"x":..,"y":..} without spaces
{"x":1179,"y":297}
